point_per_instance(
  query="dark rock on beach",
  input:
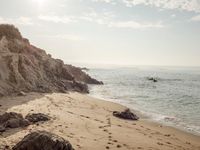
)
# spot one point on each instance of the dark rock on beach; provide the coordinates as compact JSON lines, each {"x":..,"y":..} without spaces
{"x":43,"y":140}
{"x":37,"y":117}
{"x":9,"y":115}
{"x":12,"y":120}
{"x":16,"y":120}
{"x":2,"y":128}
{"x":127,"y":114}
{"x":16,"y":123}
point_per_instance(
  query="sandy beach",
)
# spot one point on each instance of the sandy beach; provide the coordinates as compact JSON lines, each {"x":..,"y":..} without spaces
{"x":88,"y":124}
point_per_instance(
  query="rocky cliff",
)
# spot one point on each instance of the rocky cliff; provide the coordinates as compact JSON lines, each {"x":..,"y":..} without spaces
{"x":24,"y":67}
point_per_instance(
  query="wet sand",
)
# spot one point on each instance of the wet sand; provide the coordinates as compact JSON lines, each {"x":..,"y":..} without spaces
{"x":88,"y":124}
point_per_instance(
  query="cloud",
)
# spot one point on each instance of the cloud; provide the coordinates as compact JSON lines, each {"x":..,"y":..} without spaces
{"x":57,"y":19}
{"x":70,"y":37}
{"x":187,"y":5}
{"x":106,"y":1}
{"x":136,"y":25}
{"x":99,"y":18}
{"x":92,"y":16}
{"x":195,"y":18}
{"x":26,"y":21}
{"x":108,"y":19}
{"x":105,"y":18}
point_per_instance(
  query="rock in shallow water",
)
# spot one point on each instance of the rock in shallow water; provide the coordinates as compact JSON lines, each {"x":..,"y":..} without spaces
{"x":127,"y":114}
{"x":42,"y":140}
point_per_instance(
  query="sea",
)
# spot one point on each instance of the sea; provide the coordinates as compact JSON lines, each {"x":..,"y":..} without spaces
{"x":174,"y":100}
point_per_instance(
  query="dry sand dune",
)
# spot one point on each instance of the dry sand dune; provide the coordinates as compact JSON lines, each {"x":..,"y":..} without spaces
{"x":88,"y":124}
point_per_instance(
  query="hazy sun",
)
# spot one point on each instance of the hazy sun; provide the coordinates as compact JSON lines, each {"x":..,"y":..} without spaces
{"x":40,"y":2}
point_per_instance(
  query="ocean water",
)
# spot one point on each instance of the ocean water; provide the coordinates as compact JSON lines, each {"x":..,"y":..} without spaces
{"x":174,"y":100}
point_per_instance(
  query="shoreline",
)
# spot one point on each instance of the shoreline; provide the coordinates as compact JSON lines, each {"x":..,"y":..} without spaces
{"x":146,"y":116}
{"x":88,"y":123}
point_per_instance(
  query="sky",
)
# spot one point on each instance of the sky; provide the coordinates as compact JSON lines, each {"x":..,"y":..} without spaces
{"x":121,"y":32}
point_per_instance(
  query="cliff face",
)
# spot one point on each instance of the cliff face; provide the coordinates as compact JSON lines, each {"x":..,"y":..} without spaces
{"x":23,"y":67}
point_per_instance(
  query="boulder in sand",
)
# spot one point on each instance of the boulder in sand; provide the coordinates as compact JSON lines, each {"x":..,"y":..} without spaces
{"x":13,"y":120}
{"x":2,"y":129}
{"x":127,"y":114}
{"x":36,"y":117}
{"x":43,"y":140}
{"x":16,"y":123}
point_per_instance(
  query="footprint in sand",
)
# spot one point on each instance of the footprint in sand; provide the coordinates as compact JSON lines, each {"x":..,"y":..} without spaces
{"x":167,"y":135}
{"x":188,"y":143}
{"x":159,"y":143}
{"x":105,"y":130}
{"x":107,"y":147}
{"x":85,"y":116}
{"x":78,"y":146}
{"x":168,"y":143}
{"x":137,"y":129}
{"x":70,"y":112}
{"x":100,"y":127}
{"x":119,"y":146}
{"x":69,"y":136}
{"x":109,"y":137}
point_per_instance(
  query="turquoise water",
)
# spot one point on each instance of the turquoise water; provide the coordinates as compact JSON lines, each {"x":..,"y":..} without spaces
{"x":173,"y":100}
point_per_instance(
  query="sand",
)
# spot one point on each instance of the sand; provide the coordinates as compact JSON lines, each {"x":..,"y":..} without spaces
{"x":89,"y":125}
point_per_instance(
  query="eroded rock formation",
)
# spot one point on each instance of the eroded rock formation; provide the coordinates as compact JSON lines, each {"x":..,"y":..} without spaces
{"x":24,"y":67}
